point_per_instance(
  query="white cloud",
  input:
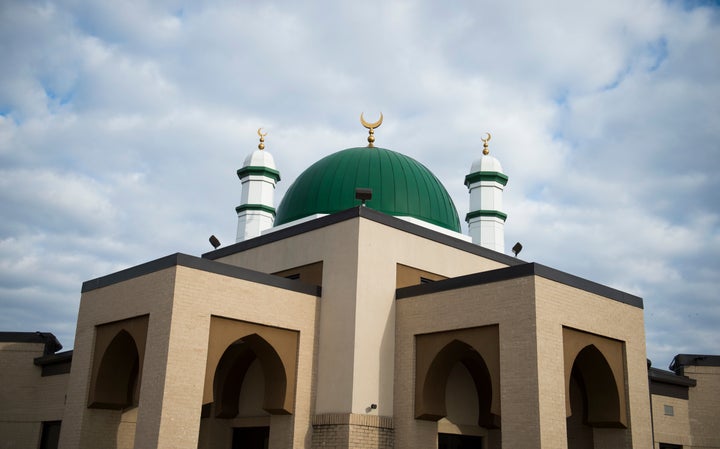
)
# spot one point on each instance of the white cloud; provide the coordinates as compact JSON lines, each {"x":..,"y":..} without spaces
{"x":121,"y":129}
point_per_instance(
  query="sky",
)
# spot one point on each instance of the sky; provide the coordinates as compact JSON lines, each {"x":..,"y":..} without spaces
{"x":122,"y":125}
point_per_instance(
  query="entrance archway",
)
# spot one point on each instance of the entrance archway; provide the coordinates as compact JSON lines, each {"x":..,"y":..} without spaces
{"x":594,"y":398}
{"x":231,"y":371}
{"x":434,"y":388}
{"x":249,"y":383}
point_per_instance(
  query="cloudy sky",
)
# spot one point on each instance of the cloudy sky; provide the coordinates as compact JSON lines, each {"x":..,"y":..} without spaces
{"x":122,"y":125}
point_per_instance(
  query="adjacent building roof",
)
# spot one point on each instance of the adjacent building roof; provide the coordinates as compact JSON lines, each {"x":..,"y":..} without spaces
{"x":401,"y":186}
{"x":682,"y":360}
{"x":51,"y":342}
{"x":667,"y":383}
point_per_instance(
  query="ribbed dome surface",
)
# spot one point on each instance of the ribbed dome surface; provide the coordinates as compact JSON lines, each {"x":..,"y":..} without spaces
{"x":401,"y":186}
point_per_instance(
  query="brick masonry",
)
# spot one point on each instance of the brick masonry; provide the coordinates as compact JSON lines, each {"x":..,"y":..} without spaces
{"x":342,"y":431}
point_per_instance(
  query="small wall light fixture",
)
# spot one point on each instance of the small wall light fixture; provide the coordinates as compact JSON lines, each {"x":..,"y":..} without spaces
{"x":214,"y":241}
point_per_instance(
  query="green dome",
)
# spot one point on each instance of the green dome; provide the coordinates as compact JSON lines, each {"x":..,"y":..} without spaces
{"x":401,"y":186}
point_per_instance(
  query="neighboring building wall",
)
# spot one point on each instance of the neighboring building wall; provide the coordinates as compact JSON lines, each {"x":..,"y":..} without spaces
{"x":671,"y":429}
{"x":704,"y":406}
{"x":26,"y":398}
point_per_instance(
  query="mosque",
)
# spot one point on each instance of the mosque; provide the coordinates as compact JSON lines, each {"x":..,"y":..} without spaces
{"x":355,"y":315}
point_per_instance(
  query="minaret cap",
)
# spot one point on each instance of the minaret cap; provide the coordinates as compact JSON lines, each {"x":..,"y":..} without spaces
{"x":371,"y":127}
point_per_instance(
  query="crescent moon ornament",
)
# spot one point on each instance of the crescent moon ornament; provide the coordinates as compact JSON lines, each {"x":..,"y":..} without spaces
{"x":371,"y":128}
{"x":485,"y":140}
{"x":261,"y":145}
{"x":371,"y":125}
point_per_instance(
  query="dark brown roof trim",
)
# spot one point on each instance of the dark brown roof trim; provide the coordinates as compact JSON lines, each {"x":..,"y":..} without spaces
{"x":669,"y":384}
{"x":197,"y":263}
{"x":54,"y":364}
{"x":370,"y":214}
{"x":51,"y":342}
{"x":682,"y":360}
{"x":53,"y":359}
{"x":518,"y":271}
{"x":668,"y":377}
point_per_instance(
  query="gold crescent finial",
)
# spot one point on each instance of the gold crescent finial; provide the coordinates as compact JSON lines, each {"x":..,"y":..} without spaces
{"x":371,"y":127}
{"x":485,"y":140}
{"x":261,"y":145}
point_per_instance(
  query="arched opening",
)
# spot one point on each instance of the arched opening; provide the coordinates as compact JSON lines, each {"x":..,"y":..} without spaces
{"x":579,"y":433}
{"x":249,"y":391}
{"x":116,"y":382}
{"x":600,"y":388}
{"x":594,"y":398}
{"x":233,"y":368}
{"x":249,"y":384}
{"x":476,"y":374}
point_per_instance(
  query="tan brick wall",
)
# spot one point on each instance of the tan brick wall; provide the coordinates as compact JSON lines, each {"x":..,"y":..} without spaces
{"x":26,"y":398}
{"x":342,"y":431}
{"x":356,"y":330}
{"x":180,"y":302}
{"x":199,"y":293}
{"x":509,"y":304}
{"x":97,"y":429}
{"x":532,"y":366}
{"x":356,"y":344}
{"x":336,"y":246}
{"x":20,"y":434}
{"x":704,"y":406}
{"x":375,"y":321}
{"x":559,"y":305}
{"x":670,"y":429}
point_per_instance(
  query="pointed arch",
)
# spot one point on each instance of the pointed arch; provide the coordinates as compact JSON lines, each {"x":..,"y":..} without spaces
{"x":597,"y":364}
{"x":117,"y":363}
{"x":437,"y":355}
{"x":233,"y":367}
{"x":116,"y":381}
{"x":599,"y":387}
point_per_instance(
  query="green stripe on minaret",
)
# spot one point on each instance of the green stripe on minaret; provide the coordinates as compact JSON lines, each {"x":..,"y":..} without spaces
{"x":259,"y":171}
{"x":262,"y":207}
{"x":500,"y":178}
{"x":486,"y":213}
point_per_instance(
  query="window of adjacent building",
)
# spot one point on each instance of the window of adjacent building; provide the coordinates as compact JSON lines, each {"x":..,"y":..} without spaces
{"x":669,"y":410}
{"x":50,"y":435}
{"x":670,"y":446}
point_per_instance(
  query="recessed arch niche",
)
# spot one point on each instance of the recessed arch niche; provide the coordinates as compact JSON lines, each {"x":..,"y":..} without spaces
{"x":233,"y":347}
{"x":436,"y":355}
{"x":117,"y":364}
{"x":597,"y":365}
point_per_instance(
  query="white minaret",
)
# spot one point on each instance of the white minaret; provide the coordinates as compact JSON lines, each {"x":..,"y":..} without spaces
{"x":258,"y":175}
{"x":486,"y":220}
